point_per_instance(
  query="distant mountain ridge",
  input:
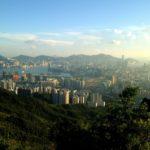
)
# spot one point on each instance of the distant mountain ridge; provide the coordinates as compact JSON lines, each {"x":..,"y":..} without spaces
{"x":2,"y":58}
{"x":93,"y":58}
{"x":73,"y":59}
{"x":23,"y":58}
{"x":100,"y":58}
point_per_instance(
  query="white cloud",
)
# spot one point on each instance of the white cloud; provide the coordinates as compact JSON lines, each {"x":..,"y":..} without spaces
{"x":18,"y":37}
{"x":73,"y":33}
{"x":116,"y":42}
{"x":118,"y":31}
{"x":147,"y":37}
{"x":131,"y":35}
{"x":90,"y":37}
{"x":49,"y":33}
{"x":134,"y":38}
{"x":31,"y":38}
{"x":56,"y":42}
{"x":33,"y":46}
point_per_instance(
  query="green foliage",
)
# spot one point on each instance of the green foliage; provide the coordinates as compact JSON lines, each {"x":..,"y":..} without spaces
{"x":129,"y":92}
{"x":35,"y":124}
{"x":3,"y":145}
{"x":128,"y":97}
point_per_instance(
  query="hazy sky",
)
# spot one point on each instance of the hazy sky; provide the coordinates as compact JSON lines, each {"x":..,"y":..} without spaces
{"x":65,"y":27}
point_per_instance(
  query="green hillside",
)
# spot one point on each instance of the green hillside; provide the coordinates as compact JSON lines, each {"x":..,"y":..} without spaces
{"x":33,"y":124}
{"x":29,"y":122}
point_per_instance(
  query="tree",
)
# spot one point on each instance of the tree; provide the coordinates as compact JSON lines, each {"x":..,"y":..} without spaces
{"x":3,"y":145}
{"x":128,"y":96}
{"x":123,"y":127}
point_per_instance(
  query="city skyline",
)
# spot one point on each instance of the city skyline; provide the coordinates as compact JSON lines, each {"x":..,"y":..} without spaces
{"x":65,"y":27}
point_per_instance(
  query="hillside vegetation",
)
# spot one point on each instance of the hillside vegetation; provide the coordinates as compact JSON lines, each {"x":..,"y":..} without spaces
{"x":34,"y":124}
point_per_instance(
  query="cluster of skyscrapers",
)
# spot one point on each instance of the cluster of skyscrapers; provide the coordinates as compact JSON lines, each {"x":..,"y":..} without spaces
{"x":60,"y":91}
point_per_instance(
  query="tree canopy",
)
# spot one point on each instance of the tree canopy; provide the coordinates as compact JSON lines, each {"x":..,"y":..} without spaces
{"x":33,"y":123}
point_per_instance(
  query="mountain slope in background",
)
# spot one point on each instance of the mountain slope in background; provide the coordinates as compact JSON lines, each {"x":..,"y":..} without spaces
{"x":24,"y":58}
{"x":2,"y":58}
{"x":101,"y":58}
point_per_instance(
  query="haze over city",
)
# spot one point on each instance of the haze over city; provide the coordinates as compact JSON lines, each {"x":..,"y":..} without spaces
{"x":67,"y":27}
